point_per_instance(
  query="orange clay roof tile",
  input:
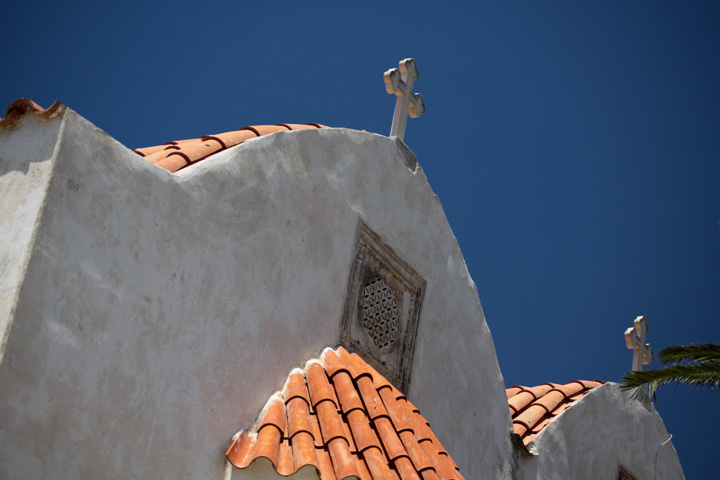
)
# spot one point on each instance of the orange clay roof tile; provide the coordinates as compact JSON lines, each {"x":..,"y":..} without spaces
{"x":532,"y":409}
{"x":23,"y":106}
{"x":344,"y":419}
{"x":174,"y":156}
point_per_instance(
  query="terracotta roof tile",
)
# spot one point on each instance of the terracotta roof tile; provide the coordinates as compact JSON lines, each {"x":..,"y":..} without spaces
{"x":532,"y":409}
{"x":344,"y":419}
{"x":298,"y":414}
{"x":23,"y":106}
{"x":174,"y":156}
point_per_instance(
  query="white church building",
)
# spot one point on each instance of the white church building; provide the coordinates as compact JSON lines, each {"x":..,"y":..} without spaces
{"x":275,"y":301}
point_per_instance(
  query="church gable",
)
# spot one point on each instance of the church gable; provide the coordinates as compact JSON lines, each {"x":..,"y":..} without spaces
{"x":163,"y":308}
{"x":194,"y":292}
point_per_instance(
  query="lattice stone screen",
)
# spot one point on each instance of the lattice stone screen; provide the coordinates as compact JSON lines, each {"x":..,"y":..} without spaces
{"x":379,"y":312}
{"x":382,"y":307}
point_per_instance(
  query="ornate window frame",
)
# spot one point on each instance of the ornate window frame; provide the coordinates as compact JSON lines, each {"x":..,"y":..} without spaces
{"x":381,"y":325}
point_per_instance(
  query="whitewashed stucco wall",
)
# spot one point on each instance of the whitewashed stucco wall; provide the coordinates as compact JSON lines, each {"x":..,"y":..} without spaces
{"x":26,"y":162}
{"x":158,"y":312}
{"x":602,"y":432}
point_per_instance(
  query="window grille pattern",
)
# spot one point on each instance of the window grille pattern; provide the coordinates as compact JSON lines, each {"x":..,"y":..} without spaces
{"x":379,"y":313}
{"x":382,"y":307}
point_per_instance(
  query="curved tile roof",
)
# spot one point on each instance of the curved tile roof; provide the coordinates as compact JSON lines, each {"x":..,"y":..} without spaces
{"x":174,"y":156}
{"x":171,"y":156}
{"x":344,"y":419}
{"x":533,"y":408}
{"x":23,"y":106}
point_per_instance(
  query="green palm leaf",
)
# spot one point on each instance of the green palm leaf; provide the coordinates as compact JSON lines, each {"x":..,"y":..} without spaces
{"x":701,"y":352}
{"x":697,"y":364}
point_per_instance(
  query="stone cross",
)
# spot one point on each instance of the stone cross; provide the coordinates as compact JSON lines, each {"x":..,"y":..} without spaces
{"x":635,"y":339}
{"x":400,"y":82}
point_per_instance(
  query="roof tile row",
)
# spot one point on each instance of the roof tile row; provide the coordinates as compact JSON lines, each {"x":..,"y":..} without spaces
{"x":174,"y":156}
{"x":532,"y":408}
{"x":343,"y":418}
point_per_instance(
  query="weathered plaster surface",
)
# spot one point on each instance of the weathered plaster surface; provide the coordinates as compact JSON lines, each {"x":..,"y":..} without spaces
{"x":262,"y":469}
{"x":158,"y":312}
{"x":26,"y":161}
{"x":603,"y":431}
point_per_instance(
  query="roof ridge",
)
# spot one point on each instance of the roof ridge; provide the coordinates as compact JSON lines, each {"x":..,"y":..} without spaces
{"x":176,"y":155}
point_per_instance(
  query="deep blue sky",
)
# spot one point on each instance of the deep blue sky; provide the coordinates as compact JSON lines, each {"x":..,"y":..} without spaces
{"x":575,"y":146}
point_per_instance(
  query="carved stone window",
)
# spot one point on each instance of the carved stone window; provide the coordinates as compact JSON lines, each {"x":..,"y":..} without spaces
{"x":382,"y":307}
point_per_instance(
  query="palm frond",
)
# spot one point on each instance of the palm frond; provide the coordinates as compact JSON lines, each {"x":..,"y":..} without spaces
{"x":705,"y":374}
{"x":696,"y":364}
{"x":638,"y":393}
{"x":699,"y":352}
